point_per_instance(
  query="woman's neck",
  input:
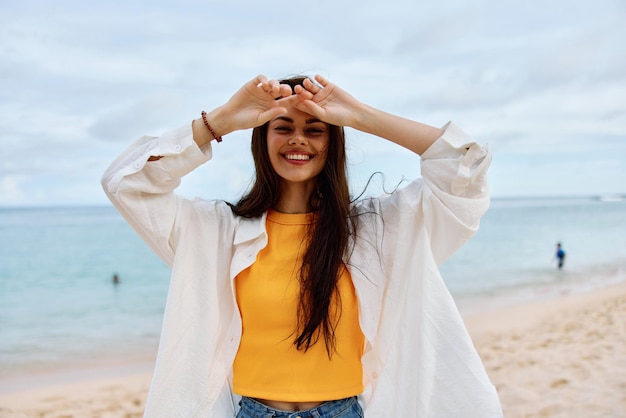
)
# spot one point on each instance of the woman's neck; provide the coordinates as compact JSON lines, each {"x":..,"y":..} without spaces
{"x":294,"y":198}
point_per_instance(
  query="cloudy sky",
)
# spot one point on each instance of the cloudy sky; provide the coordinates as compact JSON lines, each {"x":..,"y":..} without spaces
{"x":542,"y":81}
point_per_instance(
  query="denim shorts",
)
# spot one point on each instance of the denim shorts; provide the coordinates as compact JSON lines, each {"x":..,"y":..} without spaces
{"x":342,"y":408}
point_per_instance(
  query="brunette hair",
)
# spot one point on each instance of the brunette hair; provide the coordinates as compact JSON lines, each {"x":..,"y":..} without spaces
{"x":327,"y":239}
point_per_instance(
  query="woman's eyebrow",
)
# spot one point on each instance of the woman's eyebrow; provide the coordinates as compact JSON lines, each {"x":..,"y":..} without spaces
{"x":284,"y":118}
{"x":289,"y":120}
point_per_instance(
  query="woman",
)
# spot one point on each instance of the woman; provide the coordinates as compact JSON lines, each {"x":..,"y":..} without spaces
{"x":295,"y":301}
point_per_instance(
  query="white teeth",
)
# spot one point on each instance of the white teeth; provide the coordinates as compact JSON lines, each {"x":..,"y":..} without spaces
{"x":300,"y":157}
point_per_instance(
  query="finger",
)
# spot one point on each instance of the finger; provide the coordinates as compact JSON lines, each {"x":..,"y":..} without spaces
{"x":285,"y":90}
{"x":274,"y":84}
{"x":268,"y":86}
{"x":286,"y":101}
{"x":323,"y":82}
{"x":310,"y":107}
{"x":259,"y":80}
{"x":278,"y":90}
{"x":311,"y":86}
{"x":270,"y":114}
{"x":303,"y":93}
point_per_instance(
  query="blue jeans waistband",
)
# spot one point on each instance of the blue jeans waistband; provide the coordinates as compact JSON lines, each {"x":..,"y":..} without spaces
{"x":344,"y":408}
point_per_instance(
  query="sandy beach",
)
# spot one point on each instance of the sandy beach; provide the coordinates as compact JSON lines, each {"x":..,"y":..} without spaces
{"x":113,"y":391}
{"x":562,"y":357}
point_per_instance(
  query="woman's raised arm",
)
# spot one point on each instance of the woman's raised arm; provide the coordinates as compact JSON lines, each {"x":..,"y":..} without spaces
{"x":333,"y":105}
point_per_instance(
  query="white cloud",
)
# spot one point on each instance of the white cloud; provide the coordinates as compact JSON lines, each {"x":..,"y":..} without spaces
{"x":538,"y":80}
{"x":11,"y":190}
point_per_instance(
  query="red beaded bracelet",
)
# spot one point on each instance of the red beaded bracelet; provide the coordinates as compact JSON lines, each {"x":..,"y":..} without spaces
{"x":206,"y":123}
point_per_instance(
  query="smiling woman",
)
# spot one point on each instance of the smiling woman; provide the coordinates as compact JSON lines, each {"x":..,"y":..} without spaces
{"x":297,"y":298}
{"x":297,"y":145}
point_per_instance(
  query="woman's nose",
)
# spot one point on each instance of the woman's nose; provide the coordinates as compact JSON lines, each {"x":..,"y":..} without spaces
{"x":298,"y":139}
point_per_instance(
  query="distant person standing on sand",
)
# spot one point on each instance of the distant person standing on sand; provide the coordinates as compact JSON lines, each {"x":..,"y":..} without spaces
{"x":560,"y":255}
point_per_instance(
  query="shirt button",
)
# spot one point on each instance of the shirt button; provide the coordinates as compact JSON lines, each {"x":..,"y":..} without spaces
{"x":177,"y":147}
{"x":137,"y":164}
{"x":375,"y":375}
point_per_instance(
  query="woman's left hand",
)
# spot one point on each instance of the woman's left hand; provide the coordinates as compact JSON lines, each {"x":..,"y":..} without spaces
{"x":326,"y":102}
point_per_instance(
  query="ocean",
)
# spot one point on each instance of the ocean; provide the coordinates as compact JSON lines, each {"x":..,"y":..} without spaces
{"x":60,"y":308}
{"x":512,"y":257}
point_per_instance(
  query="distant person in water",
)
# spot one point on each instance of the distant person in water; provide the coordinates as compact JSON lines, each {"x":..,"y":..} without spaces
{"x":116,"y":279}
{"x":560,"y":255}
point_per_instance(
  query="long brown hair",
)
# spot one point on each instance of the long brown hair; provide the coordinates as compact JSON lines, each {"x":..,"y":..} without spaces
{"x":327,"y":238}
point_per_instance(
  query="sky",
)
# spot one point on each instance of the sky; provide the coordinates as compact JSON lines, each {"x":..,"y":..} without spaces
{"x":542,"y":82}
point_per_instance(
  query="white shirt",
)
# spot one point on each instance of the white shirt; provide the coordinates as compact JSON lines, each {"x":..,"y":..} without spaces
{"x":419,"y":360}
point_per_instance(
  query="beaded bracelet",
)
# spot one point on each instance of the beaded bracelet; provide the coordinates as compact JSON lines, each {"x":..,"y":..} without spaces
{"x":206,"y":123}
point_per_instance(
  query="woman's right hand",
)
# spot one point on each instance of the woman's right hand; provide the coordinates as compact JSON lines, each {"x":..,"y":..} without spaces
{"x":253,"y":104}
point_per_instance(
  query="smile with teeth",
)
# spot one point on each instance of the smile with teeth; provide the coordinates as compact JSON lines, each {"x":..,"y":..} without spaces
{"x":298,"y":157}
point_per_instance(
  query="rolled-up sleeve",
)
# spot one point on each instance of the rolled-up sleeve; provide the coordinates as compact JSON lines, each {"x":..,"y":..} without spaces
{"x":143,"y":190}
{"x":456,"y":192}
{"x":456,"y":164}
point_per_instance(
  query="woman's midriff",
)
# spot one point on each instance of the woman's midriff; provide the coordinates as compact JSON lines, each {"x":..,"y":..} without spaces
{"x":289,"y":406}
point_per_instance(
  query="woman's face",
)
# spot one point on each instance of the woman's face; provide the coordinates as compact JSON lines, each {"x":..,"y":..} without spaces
{"x":297,"y":144}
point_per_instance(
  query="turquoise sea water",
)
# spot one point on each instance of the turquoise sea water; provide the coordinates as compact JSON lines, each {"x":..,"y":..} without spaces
{"x":60,"y":307}
{"x":512,"y":257}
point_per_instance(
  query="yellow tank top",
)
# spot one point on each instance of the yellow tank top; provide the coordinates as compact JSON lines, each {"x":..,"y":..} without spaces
{"x":268,"y":365}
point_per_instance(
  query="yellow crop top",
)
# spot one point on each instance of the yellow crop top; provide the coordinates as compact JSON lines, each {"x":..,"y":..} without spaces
{"x":268,"y":365}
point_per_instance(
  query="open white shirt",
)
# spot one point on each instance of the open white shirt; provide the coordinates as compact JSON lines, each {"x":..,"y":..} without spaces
{"x":419,"y":360}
